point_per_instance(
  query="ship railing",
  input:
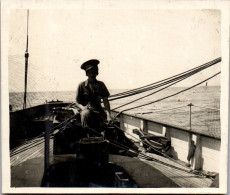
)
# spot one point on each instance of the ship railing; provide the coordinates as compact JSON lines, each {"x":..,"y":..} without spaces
{"x":198,"y":149}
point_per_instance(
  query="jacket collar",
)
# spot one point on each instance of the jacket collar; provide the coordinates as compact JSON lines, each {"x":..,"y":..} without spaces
{"x":87,"y":82}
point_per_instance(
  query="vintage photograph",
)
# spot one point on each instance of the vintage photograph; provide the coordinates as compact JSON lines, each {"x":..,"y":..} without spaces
{"x":102,"y":98}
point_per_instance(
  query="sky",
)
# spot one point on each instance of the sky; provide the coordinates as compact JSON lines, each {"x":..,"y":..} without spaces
{"x":135,"y":47}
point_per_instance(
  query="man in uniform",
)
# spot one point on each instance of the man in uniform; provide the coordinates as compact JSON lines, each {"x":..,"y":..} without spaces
{"x":90,"y":93}
{"x":89,"y":96}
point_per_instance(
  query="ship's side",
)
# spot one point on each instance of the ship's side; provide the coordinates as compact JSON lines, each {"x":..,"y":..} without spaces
{"x":199,"y":150}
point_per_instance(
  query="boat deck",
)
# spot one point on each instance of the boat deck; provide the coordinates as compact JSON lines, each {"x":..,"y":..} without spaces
{"x":180,"y":177}
{"x":29,"y":151}
{"x":27,"y":168}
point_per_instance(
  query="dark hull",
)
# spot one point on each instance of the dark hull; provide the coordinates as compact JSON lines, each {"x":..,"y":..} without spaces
{"x":31,"y":122}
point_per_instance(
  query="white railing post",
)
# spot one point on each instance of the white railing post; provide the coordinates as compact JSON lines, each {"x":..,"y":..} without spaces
{"x":190,"y":115}
{"x":143,"y":125}
{"x":190,"y":149}
{"x":164,"y":131}
{"x":122,"y":126}
{"x":197,"y":158}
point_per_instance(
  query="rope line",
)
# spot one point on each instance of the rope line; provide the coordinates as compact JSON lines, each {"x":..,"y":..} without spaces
{"x":154,"y":86}
{"x":181,"y":79}
{"x":165,"y":79}
{"x":151,"y":158}
{"x":31,"y":145}
{"x":169,"y":95}
{"x":138,"y":90}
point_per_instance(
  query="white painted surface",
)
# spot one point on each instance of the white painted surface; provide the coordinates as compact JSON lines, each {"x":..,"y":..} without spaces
{"x":207,"y":152}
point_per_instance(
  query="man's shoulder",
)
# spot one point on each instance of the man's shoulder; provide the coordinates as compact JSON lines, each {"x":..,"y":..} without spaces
{"x":82,"y":83}
{"x":100,"y":82}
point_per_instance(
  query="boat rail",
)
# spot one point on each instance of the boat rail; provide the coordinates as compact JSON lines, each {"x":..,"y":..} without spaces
{"x":199,"y":150}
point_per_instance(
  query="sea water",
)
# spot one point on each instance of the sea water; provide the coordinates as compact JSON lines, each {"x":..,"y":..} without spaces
{"x":205,"y":112}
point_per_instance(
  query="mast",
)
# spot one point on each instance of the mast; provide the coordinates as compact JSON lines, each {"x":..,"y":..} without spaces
{"x":26,"y":61}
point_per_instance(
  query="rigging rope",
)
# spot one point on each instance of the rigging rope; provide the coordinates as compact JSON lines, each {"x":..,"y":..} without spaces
{"x":31,"y":145}
{"x":173,"y":83}
{"x":169,"y":95}
{"x":41,"y":141}
{"x":148,"y":87}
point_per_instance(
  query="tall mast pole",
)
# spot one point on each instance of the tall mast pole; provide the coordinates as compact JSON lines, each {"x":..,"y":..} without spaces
{"x":26,"y":61}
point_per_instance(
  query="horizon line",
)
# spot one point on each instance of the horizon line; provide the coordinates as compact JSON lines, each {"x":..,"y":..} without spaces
{"x":108,"y":89}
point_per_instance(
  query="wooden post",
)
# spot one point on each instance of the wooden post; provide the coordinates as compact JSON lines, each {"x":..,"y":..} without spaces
{"x":47,"y":153}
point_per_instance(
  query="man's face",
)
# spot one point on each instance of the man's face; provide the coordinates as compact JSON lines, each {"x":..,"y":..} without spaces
{"x":92,"y":73}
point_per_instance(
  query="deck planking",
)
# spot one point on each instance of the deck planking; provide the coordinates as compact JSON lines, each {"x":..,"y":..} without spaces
{"x":28,"y":152}
{"x":182,"y":178}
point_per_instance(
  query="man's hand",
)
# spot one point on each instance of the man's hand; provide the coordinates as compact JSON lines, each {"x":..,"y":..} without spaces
{"x":84,"y":108}
{"x":79,"y":106}
{"x":107,"y":109}
{"x":109,"y":119}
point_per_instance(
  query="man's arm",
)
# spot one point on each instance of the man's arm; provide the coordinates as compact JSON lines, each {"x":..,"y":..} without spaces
{"x":78,"y":98}
{"x":80,"y":106}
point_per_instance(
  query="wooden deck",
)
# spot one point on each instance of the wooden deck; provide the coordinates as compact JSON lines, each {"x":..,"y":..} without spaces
{"x":27,"y":164}
{"x":181,"y":178}
{"x":29,"y":152}
{"x":27,"y":169}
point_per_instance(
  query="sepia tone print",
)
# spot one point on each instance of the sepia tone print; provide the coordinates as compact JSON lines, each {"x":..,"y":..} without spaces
{"x":116,"y":99}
